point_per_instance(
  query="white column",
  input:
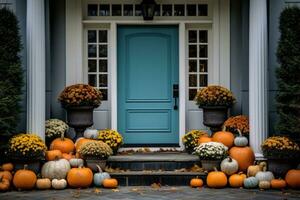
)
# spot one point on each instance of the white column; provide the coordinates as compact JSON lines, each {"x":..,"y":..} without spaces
{"x":258,"y":61}
{"x":36,"y":78}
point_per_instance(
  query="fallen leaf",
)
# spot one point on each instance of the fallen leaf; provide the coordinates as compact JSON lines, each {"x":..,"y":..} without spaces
{"x":115,"y":190}
{"x":156,"y":185}
{"x":97,"y":191}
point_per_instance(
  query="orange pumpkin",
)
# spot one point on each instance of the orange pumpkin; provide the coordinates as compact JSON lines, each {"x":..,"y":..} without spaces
{"x":80,"y":177}
{"x":53,"y":155}
{"x":7,"y":167}
{"x":7,"y":175}
{"x":110,"y":183}
{"x":278,"y":184}
{"x":224,"y":137}
{"x":68,"y":156}
{"x":204,"y":139}
{"x":237,"y":180}
{"x":80,"y":141}
{"x":65,"y":145}
{"x":24,"y":179}
{"x":292,"y":178}
{"x":243,"y":155}
{"x":216,"y":179}
{"x":196,"y":182}
{"x":4,"y":184}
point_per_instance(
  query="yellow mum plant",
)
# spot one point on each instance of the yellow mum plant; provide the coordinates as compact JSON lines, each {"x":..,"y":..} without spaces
{"x":214,"y":95}
{"x":280,"y":147}
{"x":240,"y":122}
{"x":95,"y":149}
{"x":190,"y":139}
{"x":112,"y":138}
{"x":27,"y":146}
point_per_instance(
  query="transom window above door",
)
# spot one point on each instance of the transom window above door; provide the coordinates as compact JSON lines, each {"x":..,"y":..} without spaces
{"x":131,"y":9}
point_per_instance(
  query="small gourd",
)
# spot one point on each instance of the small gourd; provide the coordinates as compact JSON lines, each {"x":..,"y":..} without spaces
{"x":251,"y":182}
{"x":110,"y":183}
{"x":278,"y":184}
{"x":240,"y":140}
{"x":253,"y":169}
{"x":59,"y":184}
{"x":76,"y":162}
{"x":229,"y":166}
{"x":4,"y":184}
{"x":264,"y":175}
{"x":43,"y":184}
{"x":91,"y":133}
{"x":264,"y":185}
{"x":100,"y":177}
{"x":237,"y":180}
{"x":196,"y":182}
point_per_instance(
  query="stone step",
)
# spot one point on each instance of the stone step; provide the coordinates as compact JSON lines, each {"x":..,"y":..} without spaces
{"x":153,"y":161}
{"x":164,"y":178}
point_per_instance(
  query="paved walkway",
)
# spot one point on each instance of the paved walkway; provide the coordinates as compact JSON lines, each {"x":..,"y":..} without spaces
{"x":147,"y":193}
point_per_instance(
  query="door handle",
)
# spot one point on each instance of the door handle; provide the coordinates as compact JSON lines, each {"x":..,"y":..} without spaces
{"x":175,"y":95}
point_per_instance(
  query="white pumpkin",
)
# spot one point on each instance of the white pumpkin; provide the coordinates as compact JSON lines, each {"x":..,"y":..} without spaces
{"x":91,"y":133}
{"x":264,"y":185}
{"x":229,"y":166}
{"x":56,"y":169}
{"x":59,"y":184}
{"x":76,"y":162}
{"x":240,"y":141}
{"x":264,"y":175}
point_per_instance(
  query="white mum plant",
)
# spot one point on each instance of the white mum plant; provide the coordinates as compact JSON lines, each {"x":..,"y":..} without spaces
{"x":55,"y":127}
{"x":211,"y":151}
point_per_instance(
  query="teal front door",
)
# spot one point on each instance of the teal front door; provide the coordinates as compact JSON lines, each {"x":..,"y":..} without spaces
{"x":147,"y":77}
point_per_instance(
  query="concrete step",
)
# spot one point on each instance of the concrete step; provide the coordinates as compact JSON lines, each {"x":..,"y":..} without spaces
{"x":153,"y":161}
{"x":146,"y":178}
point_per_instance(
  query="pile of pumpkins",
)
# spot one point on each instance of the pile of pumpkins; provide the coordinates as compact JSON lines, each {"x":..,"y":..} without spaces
{"x":62,"y":169}
{"x":240,"y":161}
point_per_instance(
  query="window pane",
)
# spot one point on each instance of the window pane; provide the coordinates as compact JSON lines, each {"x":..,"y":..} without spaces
{"x":192,"y":36}
{"x":128,"y":10}
{"x":203,"y":36}
{"x":167,"y":10}
{"x":191,"y":9}
{"x":102,"y":51}
{"x":178,"y":10}
{"x":203,"y":80}
{"x":92,"y":80}
{"x":192,"y":51}
{"x":104,"y":94}
{"x":102,"y":65}
{"x":157,"y":10}
{"x":103,"y":80}
{"x":202,"y":10}
{"x":116,"y":10}
{"x":104,"y":10}
{"x":138,"y":11}
{"x":203,"y":66}
{"x":193,"y":80}
{"x":92,"y":9}
{"x":92,"y":50}
{"x":192,"y":65}
{"x":92,"y":36}
{"x":192,"y":94}
{"x":103,"y":36}
{"x":92,"y":65}
{"x":203,"y":51}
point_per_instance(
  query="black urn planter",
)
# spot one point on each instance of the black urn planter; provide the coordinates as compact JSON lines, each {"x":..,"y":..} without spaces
{"x":280,"y":166}
{"x":80,"y":118}
{"x":214,"y":117}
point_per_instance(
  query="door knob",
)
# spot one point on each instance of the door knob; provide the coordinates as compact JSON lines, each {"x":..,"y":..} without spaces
{"x":175,"y":95}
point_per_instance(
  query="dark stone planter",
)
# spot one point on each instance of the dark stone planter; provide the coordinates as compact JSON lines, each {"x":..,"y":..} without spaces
{"x":280,"y":166}
{"x":93,"y":162}
{"x":210,"y":165}
{"x":214,"y":117}
{"x":31,"y":165}
{"x":79,"y":118}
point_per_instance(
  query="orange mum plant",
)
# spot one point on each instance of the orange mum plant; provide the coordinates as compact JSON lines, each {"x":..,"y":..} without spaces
{"x":80,"y":95}
{"x":235,"y":123}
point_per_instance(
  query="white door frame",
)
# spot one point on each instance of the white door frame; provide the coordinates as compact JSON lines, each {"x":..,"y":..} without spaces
{"x":221,"y":51}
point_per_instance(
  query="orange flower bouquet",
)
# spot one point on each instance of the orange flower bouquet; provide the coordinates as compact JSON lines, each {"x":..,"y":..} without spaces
{"x":235,"y":123}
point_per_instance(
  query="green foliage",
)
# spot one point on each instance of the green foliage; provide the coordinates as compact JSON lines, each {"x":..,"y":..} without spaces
{"x":11,"y":75}
{"x":288,"y":74}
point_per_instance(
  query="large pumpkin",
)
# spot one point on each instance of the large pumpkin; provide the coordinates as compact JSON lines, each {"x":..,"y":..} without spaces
{"x":56,"y":169}
{"x":204,"y":139}
{"x":243,"y":155}
{"x":216,"y":179}
{"x":237,"y":180}
{"x":80,"y":141}
{"x":80,"y":177}
{"x":24,"y":179}
{"x":224,"y":137}
{"x":65,"y":145}
{"x":292,"y":178}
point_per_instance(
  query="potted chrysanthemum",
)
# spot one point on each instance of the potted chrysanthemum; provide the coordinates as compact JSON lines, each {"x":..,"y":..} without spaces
{"x":215,"y":102}
{"x":191,"y":138}
{"x":54,"y":128}
{"x":112,"y":138}
{"x":79,"y":100}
